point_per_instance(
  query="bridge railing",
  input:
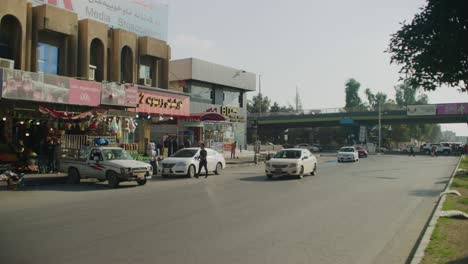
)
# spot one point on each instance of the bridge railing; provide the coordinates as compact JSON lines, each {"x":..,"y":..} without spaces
{"x":324,"y":111}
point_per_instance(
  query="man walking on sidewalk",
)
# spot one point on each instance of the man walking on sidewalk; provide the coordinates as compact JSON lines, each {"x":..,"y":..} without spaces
{"x":233,"y":150}
{"x":202,"y":161}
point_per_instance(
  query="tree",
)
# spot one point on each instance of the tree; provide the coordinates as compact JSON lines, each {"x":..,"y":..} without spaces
{"x":275,"y":108}
{"x":433,"y":49}
{"x":353,"y":101}
{"x":375,"y":99}
{"x":258,"y":104}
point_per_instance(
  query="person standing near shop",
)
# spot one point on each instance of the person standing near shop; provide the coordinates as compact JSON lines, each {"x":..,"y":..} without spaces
{"x":233,"y":150}
{"x":186,"y":142}
{"x":174,"y":145}
{"x":202,"y":161}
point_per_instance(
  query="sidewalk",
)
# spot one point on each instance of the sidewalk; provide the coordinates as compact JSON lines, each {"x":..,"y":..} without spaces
{"x":42,"y":179}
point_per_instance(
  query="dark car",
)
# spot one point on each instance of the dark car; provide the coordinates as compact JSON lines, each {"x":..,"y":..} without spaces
{"x":362,"y":152}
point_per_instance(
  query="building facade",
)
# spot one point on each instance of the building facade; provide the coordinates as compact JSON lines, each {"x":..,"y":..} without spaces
{"x":218,"y":101}
{"x":74,"y":67}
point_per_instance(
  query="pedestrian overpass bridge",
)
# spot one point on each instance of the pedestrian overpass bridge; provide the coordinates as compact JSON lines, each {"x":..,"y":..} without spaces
{"x":427,"y":114}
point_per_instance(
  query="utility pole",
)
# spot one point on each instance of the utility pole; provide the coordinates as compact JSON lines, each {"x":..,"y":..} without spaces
{"x":260,"y":98}
{"x":297,"y":100}
{"x":380,"y":127}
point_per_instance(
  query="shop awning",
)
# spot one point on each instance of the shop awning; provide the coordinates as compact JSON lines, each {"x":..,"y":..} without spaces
{"x":208,"y":116}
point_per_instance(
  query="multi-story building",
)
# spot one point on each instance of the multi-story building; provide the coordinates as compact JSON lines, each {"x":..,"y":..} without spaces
{"x":218,"y":101}
{"x":66,"y":58}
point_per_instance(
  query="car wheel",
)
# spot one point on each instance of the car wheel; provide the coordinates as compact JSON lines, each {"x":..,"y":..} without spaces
{"x":301,"y":173}
{"x":427,"y":152}
{"x":112,"y":179}
{"x":191,"y":171}
{"x":73,"y":176}
{"x":141,"y":182}
{"x":314,"y":171}
{"x":219,"y":168}
{"x":164,"y":175}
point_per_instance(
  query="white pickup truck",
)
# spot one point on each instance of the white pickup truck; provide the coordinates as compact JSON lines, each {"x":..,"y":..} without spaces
{"x":110,"y":164}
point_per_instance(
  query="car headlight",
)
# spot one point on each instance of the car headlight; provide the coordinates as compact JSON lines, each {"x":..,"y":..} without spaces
{"x":293,"y":165}
{"x":125,"y":171}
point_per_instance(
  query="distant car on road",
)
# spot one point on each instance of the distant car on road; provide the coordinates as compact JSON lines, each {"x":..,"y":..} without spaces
{"x":347,"y":154}
{"x":362,"y":152}
{"x":184,"y":162}
{"x":440,"y":148}
{"x":295,"y":161}
{"x":311,"y":148}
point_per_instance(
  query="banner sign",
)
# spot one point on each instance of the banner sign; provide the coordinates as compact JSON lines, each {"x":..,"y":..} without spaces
{"x":131,"y":95}
{"x":143,"y":17}
{"x":452,"y":109}
{"x":163,"y":103}
{"x":421,"y":110}
{"x":119,"y":94}
{"x":84,"y":92}
{"x":34,"y":86}
{"x":231,"y":112}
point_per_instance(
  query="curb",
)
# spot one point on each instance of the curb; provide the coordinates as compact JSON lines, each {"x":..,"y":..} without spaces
{"x":417,"y":253}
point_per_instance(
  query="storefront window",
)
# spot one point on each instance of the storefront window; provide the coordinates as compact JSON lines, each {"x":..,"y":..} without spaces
{"x":231,"y":98}
{"x":48,"y":58}
{"x":201,"y":93}
{"x":145,"y":72}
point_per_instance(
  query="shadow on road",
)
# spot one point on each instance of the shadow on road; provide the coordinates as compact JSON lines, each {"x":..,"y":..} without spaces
{"x":82,"y":187}
{"x":388,"y":178}
{"x":264,"y":178}
{"x":425,"y":193}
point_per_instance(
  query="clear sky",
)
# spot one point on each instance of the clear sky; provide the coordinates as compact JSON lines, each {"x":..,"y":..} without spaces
{"x":314,"y":44}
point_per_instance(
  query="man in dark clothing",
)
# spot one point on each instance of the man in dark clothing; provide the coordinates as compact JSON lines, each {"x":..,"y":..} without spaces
{"x":186,"y":142}
{"x":202,"y":161}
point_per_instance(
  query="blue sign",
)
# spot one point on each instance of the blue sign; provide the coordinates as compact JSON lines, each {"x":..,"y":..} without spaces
{"x":346,"y":121}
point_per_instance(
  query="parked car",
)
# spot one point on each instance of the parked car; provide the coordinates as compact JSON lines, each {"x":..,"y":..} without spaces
{"x":294,"y":161}
{"x":362,"y":152}
{"x":185,"y":162}
{"x":311,"y":148}
{"x":440,"y":148}
{"x":347,"y":154}
{"x":110,"y":164}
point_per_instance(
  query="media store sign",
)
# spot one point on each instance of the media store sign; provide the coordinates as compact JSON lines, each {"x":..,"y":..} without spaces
{"x":143,"y":17}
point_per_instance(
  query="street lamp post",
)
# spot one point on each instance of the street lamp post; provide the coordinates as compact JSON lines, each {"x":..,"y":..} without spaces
{"x":380,"y":127}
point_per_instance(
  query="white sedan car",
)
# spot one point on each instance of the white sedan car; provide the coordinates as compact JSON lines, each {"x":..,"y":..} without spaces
{"x":185,"y":162}
{"x":347,"y":154}
{"x":294,"y":161}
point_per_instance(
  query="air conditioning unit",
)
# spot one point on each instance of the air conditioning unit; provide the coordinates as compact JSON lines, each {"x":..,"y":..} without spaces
{"x":146,"y":81}
{"x":91,"y":74}
{"x":5,"y":63}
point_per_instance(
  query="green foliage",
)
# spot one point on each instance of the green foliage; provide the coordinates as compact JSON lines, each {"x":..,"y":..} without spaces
{"x":353,"y":101}
{"x":258,"y":104}
{"x":277,"y":108}
{"x":433,"y":49}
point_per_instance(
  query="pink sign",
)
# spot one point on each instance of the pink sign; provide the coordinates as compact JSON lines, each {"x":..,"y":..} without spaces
{"x":452,"y":109}
{"x":84,"y":93}
{"x":155,"y":102}
{"x":131,"y":95}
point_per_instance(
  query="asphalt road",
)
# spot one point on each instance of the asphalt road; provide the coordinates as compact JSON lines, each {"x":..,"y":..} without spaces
{"x":372,"y":211}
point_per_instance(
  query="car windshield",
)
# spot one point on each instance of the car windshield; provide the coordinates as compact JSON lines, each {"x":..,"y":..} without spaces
{"x":346,"y":150}
{"x":116,"y":154}
{"x":288,"y":154}
{"x":185,"y":153}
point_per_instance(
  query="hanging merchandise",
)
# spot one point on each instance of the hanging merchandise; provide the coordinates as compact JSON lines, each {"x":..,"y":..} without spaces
{"x":113,"y":127}
{"x":132,"y":125}
{"x":119,"y":131}
{"x":93,"y":124}
{"x":125,"y":125}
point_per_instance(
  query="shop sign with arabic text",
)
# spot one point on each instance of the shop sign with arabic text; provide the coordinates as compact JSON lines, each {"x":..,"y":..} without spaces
{"x":155,"y":102}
